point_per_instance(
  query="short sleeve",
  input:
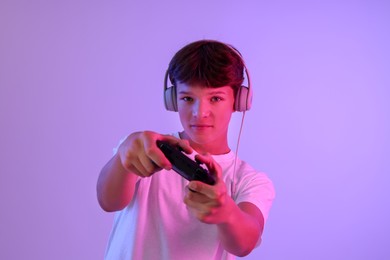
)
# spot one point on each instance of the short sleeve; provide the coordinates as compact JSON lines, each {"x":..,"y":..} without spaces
{"x":115,"y":149}
{"x":257,"y":188}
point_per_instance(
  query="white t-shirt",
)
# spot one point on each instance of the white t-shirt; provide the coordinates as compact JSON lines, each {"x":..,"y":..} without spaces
{"x":157,"y":225}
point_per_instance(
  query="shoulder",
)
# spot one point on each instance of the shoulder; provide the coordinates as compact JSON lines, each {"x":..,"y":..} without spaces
{"x":245,"y":171}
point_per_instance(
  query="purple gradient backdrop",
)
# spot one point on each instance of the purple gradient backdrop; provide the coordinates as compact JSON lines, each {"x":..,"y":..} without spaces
{"x":76,"y":76}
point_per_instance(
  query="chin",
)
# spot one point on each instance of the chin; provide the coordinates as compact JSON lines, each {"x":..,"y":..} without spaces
{"x":199,"y":139}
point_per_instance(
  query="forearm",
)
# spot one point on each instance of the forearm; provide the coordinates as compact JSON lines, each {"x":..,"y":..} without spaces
{"x":242,"y":229}
{"x":115,"y":186}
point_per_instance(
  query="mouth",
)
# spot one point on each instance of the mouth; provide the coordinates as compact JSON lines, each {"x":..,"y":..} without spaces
{"x":200,"y":126}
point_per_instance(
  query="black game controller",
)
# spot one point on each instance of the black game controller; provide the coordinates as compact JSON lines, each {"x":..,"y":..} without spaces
{"x":183,"y":165}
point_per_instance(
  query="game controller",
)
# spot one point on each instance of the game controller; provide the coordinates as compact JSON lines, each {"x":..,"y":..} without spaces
{"x":183,"y":165}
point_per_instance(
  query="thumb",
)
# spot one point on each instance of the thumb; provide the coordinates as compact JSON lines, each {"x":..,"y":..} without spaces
{"x":213,"y":167}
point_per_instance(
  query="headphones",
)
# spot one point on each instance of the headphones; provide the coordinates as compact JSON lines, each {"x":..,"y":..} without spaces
{"x":242,"y":101}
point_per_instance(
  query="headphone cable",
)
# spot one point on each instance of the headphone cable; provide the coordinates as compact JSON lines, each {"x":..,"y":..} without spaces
{"x":233,"y":189}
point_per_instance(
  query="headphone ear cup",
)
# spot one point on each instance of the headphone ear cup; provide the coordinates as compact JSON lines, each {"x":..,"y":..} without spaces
{"x":170,"y":99}
{"x":243,"y":99}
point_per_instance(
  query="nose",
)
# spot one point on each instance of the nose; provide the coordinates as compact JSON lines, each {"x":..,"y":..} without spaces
{"x":200,"y":109}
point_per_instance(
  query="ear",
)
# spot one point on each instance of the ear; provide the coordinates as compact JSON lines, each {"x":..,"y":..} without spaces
{"x":170,"y":99}
{"x":243,"y":100}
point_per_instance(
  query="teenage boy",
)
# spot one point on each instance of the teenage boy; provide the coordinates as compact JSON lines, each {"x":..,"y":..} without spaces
{"x":160,"y":215}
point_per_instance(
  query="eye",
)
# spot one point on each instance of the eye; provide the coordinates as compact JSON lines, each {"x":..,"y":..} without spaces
{"x":187,"y":99}
{"x":216,"y":99}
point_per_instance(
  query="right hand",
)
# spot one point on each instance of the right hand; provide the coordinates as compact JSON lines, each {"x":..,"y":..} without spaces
{"x":140,"y":155}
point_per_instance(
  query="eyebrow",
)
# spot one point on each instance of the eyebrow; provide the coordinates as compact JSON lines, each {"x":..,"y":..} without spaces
{"x":216,"y":92}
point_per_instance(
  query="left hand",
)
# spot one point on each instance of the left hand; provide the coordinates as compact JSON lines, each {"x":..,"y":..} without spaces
{"x":209,"y":203}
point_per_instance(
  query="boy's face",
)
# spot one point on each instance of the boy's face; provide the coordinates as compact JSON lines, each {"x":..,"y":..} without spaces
{"x":205,"y":115}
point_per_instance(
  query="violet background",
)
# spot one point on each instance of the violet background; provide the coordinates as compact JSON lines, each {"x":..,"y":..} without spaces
{"x":76,"y":76}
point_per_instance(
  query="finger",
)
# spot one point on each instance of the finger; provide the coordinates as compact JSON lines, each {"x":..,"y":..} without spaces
{"x":149,"y":166}
{"x":197,"y":197}
{"x":207,"y":190}
{"x":198,"y":214}
{"x":156,"y":155}
{"x":201,"y":211}
{"x":183,"y":144}
{"x":204,"y":208}
{"x":137,"y":168}
{"x":213,"y":167}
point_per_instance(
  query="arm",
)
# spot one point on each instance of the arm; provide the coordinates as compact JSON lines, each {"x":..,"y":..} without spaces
{"x":239,"y":226}
{"x":137,"y":157}
{"x":242,"y":230}
{"x":115,"y":186}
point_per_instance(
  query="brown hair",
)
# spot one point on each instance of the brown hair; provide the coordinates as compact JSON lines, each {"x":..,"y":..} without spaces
{"x":208,"y":63}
